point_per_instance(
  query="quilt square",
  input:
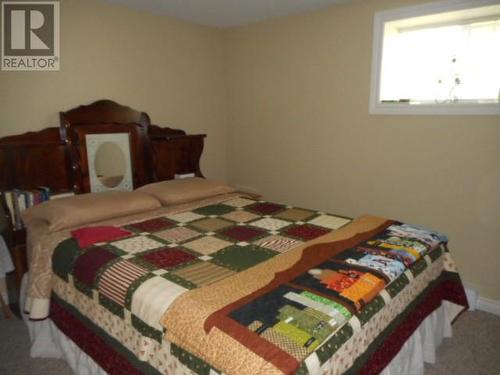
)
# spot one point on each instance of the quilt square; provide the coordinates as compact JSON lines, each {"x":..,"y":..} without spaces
{"x":278,"y":243}
{"x":285,"y":343}
{"x":295,"y":214}
{"x":117,"y":279}
{"x":93,"y":235}
{"x":306,"y":232}
{"x":329,"y":221}
{"x":207,"y":245}
{"x":243,"y":233}
{"x":177,"y":234}
{"x":214,"y":209}
{"x":211,"y":224}
{"x":239,"y":202}
{"x":152,"y":225}
{"x":64,"y":258}
{"x":240,"y":216}
{"x":203,"y":273}
{"x":270,"y":224}
{"x":265,"y":208}
{"x":185,"y":217}
{"x":88,"y":264}
{"x":167,"y":257}
{"x":137,"y":244}
{"x":150,"y":310}
{"x":239,"y":258}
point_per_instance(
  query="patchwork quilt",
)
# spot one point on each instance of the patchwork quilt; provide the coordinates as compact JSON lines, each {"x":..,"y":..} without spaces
{"x":247,"y":287}
{"x":320,"y":307}
{"x":135,"y":271}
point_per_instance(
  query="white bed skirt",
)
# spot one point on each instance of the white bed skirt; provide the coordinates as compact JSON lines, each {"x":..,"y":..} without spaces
{"x":49,"y":342}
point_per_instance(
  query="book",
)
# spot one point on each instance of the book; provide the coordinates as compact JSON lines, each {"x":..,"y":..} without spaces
{"x":17,"y":200}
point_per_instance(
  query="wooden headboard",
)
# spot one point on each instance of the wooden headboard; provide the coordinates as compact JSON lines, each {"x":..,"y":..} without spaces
{"x":53,"y":157}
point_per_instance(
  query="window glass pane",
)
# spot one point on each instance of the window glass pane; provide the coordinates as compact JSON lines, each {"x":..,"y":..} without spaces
{"x":442,"y":64}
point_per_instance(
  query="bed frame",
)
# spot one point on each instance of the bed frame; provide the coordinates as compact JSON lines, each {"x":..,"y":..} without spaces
{"x":52,"y":157}
{"x":56,"y":157}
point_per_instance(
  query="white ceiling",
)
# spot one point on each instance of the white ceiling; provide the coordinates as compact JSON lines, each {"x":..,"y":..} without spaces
{"x":226,"y":13}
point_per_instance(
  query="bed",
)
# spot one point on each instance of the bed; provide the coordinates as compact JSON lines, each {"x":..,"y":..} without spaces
{"x":186,"y":276}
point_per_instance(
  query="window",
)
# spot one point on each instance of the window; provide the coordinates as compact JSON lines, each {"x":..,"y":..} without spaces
{"x":438,"y":58}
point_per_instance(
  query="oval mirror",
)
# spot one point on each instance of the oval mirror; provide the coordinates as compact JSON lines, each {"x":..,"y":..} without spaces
{"x":109,"y":164}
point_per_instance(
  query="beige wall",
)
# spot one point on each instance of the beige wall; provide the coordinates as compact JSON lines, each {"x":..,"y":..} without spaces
{"x":300,"y":132}
{"x":170,"y":69}
{"x":295,"y":113}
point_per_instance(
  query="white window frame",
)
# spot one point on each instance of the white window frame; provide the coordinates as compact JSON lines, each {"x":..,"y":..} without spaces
{"x":379,"y":108}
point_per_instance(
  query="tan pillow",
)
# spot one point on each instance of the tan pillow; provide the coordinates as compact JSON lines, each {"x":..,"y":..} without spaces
{"x":184,"y":190}
{"x":87,"y":208}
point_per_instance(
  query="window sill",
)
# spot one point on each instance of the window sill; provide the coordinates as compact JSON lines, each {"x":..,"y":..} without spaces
{"x":434,"y":109}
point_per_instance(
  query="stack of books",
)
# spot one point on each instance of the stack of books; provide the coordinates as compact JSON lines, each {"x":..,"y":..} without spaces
{"x":18,"y":200}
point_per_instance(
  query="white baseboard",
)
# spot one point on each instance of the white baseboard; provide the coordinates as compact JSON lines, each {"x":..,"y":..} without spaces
{"x":489,"y":305}
{"x":476,"y":302}
{"x":472,"y":297}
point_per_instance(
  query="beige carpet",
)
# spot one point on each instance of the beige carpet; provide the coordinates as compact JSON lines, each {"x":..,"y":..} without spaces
{"x":473,"y":350}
